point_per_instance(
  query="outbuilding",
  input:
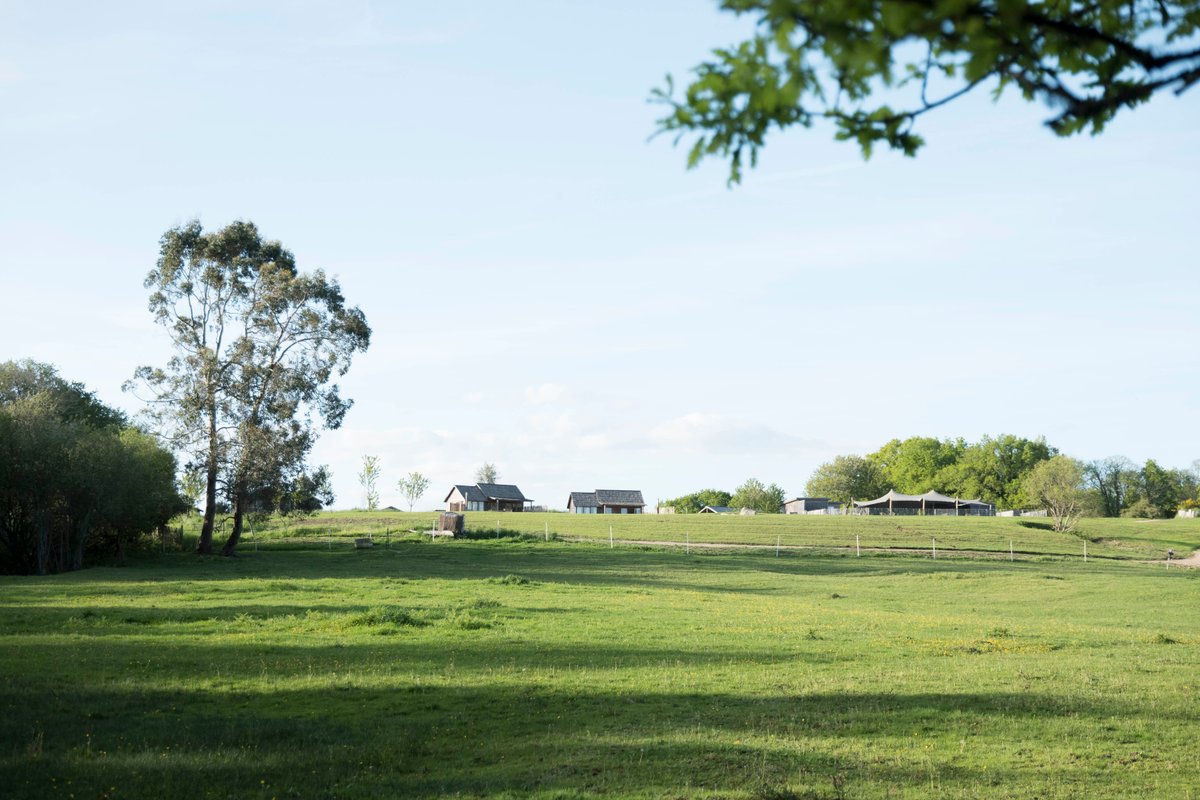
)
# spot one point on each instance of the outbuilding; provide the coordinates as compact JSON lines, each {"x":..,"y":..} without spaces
{"x":606,"y":501}
{"x":811,"y":505}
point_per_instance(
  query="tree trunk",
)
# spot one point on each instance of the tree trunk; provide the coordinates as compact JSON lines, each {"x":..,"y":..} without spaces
{"x":204,"y":546}
{"x":235,"y":535}
{"x":42,"y":554}
{"x":81,"y":531}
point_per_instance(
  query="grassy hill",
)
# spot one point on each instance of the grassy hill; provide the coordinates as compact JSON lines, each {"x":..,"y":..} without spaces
{"x":1106,"y":538}
{"x":516,"y":668}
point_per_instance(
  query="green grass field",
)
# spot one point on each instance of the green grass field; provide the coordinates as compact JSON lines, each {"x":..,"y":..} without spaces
{"x":1106,"y":538}
{"x":517,"y":668}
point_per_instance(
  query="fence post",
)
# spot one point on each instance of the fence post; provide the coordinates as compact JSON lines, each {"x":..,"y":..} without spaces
{"x":777,"y":538}
{"x":1010,"y":550}
{"x":610,"y":537}
{"x":857,"y":547}
{"x":934,"y":540}
{"x":1085,"y":551}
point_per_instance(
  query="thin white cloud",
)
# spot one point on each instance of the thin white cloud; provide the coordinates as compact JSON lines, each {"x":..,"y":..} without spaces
{"x":546,"y":393}
{"x":720,"y":434}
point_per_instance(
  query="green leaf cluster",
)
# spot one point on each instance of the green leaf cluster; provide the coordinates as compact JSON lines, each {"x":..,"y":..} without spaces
{"x":873,"y":67}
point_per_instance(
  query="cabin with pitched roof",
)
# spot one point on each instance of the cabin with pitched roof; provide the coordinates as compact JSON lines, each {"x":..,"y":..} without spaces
{"x":486,"y":497}
{"x":606,"y":501}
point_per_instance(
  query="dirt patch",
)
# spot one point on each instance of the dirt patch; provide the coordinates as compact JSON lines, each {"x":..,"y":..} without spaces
{"x":1192,"y":561}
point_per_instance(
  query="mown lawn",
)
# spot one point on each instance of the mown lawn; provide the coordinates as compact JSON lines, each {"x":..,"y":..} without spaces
{"x":1106,"y":538}
{"x":518,"y":668}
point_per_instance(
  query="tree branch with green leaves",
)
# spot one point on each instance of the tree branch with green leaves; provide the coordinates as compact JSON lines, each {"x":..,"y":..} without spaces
{"x":872,"y":68}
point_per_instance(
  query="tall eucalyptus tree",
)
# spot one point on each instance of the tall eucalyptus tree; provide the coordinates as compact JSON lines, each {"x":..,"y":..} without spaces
{"x":257,"y":348}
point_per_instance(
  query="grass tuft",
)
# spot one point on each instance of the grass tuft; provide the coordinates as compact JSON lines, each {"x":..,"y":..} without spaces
{"x":386,"y":615}
{"x":510,"y":580}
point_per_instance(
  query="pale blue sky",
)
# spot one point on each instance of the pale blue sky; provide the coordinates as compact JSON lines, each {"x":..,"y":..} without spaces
{"x":551,"y":292}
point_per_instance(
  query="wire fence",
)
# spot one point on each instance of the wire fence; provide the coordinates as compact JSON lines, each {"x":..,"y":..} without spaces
{"x":385,"y":536}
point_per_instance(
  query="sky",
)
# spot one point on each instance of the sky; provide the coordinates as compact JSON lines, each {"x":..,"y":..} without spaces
{"x":550,"y":289}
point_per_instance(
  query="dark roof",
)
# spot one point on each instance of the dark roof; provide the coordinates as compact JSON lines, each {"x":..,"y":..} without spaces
{"x":717,"y":509}
{"x":500,"y":491}
{"x":582,"y":500}
{"x":619,"y":497}
{"x":471,"y":493}
{"x":818,"y":499}
{"x":977,"y":502}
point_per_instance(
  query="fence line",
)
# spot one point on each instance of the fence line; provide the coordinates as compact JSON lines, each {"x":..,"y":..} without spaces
{"x":856,"y":543}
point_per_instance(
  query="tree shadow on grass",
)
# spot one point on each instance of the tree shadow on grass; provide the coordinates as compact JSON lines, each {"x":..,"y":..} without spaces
{"x":567,"y":564}
{"x":412,"y":739}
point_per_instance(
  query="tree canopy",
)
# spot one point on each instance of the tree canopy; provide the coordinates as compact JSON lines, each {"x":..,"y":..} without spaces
{"x":692,"y":503}
{"x":992,"y":469}
{"x":413,"y":487}
{"x":257,"y":347}
{"x":755,"y":495}
{"x":872,"y":69}
{"x":75,"y":478}
{"x":1057,"y":486}
{"x":847,"y":478}
{"x":487,"y":473}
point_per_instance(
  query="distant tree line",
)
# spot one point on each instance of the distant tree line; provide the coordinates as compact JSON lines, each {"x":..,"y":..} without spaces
{"x":998,"y":470}
{"x":77,"y":481}
{"x":752,"y":494}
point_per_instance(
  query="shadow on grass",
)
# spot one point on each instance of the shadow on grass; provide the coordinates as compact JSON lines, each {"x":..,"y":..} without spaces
{"x":422,"y":739}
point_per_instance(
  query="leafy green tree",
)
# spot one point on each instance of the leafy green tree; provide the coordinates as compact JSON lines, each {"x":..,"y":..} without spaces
{"x":994,"y":469}
{"x":916,"y":465}
{"x":34,"y":445}
{"x":70,"y":401}
{"x":191,"y":488}
{"x":1057,"y":485}
{"x":1114,"y":480}
{"x":413,"y":487}
{"x":257,"y":346}
{"x":73,"y":476}
{"x":144,"y":497}
{"x":763,"y":499}
{"x":873,"y":68}
{"x":306,"y":494}
{"x":847,"y":478}
{"x":692,"y":503}
{"x":368,"y":478}
{"x":1159,"y":491}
